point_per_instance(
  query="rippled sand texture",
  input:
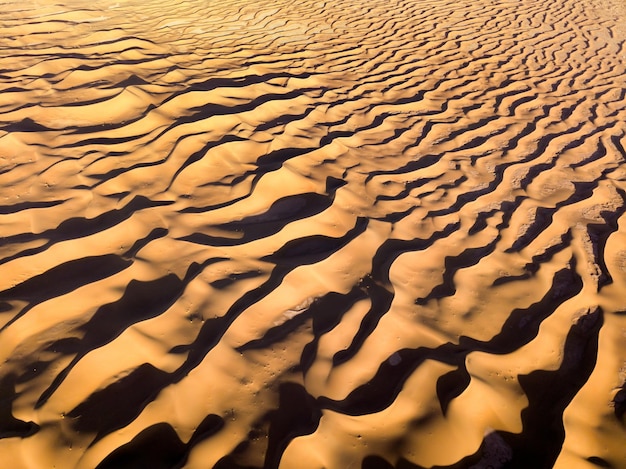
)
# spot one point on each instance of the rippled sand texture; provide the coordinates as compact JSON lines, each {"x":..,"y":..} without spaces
{"x":312,"y":234}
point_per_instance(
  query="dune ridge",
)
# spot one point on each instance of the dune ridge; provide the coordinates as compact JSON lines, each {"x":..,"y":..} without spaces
{"x":312,"y":234}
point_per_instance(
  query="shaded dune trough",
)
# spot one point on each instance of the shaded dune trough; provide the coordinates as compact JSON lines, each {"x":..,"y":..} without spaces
{"x":312,"y":234}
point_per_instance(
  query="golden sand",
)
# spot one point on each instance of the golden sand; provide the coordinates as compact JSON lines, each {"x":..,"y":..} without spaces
{"x":306,"y":235}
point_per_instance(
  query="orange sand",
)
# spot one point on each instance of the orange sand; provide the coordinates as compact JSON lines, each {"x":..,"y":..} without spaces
{"x":307,"y":235}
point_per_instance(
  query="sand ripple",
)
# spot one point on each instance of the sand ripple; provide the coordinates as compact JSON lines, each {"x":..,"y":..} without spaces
{"x":312,"y":234}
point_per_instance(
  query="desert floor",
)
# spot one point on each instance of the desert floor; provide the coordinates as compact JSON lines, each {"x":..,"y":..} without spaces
{"x":315,"y":234}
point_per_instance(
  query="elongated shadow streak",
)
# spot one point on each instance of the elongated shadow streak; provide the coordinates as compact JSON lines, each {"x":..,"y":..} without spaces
{"x":11,"y":427}
{"x":521,"y":327}
{"x":141,"y":301}
{"x":62,"y":279}
{"x":79,"y":227}
{"x":297,"y":414}
{"x":550,"y":392}
{"x":159,"y":447}
{"x":278,"y":215}
{"x":102,"y":412}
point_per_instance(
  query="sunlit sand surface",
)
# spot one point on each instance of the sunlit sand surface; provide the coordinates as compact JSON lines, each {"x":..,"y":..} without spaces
{"x":308,"y":235}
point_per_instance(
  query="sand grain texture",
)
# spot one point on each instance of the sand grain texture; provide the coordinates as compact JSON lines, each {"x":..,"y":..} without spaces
{"x":313,"y":234}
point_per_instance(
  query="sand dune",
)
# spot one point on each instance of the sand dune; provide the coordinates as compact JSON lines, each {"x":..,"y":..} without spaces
{"x":312,"y":234}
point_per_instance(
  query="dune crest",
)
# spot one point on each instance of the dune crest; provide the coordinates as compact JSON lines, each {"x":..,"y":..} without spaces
{"x":312,"y":234}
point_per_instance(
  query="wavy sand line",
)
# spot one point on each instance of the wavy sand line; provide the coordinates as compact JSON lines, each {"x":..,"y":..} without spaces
{"x":312,"y":235}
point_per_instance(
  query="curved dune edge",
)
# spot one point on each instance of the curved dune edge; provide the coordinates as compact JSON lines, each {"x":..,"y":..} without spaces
{"x":313,"y":235}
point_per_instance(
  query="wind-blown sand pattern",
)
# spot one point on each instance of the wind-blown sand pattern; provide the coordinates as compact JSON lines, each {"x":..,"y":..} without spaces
{"x":312,"y":234}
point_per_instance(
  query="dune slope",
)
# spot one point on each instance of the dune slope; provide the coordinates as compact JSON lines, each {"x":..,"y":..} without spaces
{"x":312,"y":234}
